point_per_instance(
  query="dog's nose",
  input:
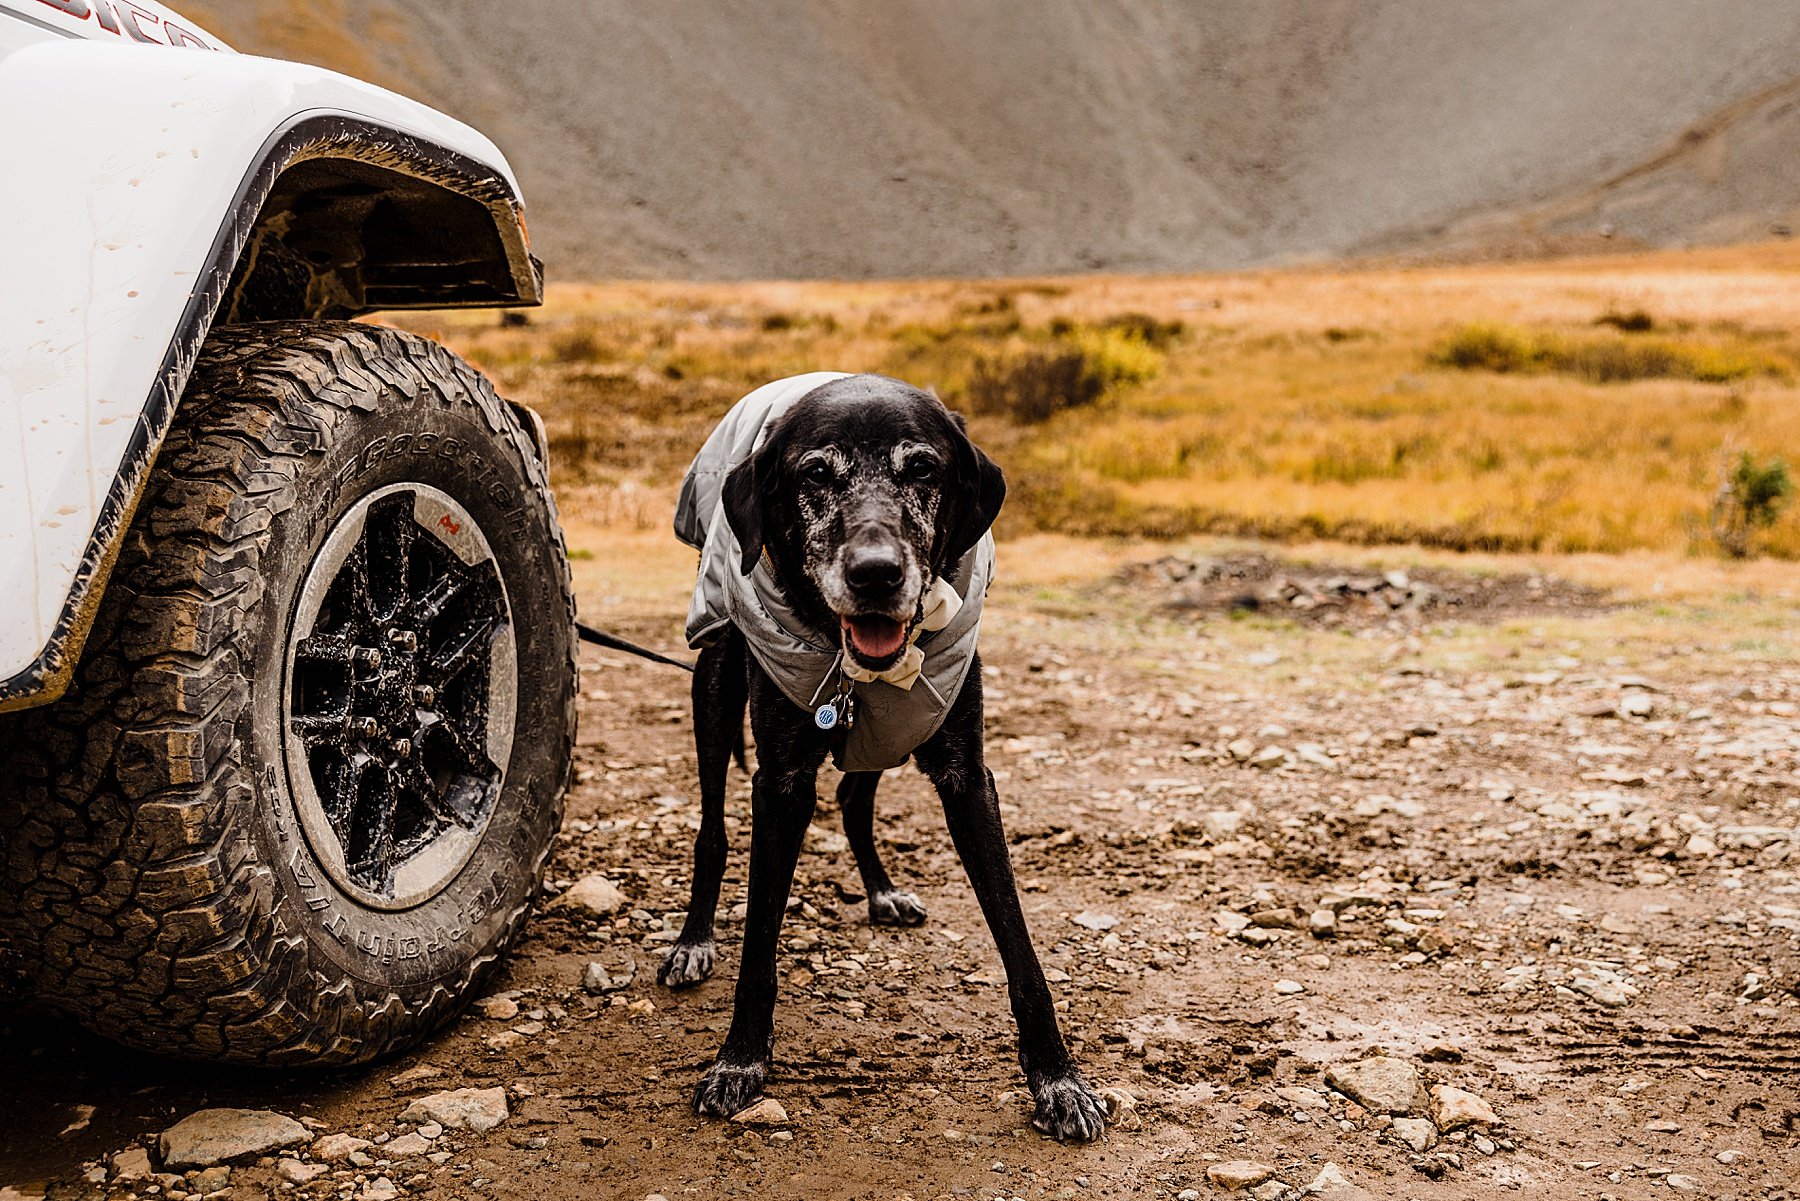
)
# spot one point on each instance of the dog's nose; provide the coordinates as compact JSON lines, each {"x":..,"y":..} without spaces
{"x":873,"y":568}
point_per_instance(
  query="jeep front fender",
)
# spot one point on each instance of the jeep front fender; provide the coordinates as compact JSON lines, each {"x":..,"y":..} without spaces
{"x":135,"y":183}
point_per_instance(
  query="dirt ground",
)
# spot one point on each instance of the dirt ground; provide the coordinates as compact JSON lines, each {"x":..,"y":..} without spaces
{"x":1553,"y":842}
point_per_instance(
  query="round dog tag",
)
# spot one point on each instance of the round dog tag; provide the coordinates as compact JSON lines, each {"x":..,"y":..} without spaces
{"x":825,"y":716}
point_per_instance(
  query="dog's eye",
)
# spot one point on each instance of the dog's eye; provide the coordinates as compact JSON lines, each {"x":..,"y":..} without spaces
{"x":920,"y":468}
{"x":817,"y":472}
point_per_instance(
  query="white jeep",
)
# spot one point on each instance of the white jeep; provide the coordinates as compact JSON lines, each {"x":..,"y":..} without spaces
{"x":287,"y":653}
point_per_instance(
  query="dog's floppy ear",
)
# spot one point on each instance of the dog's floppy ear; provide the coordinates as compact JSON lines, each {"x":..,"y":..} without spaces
{"x":749,"y":494}
{"x":976,"y":492}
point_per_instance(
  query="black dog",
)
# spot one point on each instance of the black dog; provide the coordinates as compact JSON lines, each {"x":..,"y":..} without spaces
{"x":861,"y":494}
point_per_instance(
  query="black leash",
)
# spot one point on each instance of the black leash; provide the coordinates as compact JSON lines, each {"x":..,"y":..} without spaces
{"x":614,"y":642}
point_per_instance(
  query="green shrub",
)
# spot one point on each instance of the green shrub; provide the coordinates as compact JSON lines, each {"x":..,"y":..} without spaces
{"x":1750,"y":497}
{"x":1633,"y":321}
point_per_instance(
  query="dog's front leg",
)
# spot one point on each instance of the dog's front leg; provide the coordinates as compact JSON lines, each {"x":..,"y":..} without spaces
{"x":953,"y":760}
{"x":888,"y":906}
{"x":719,"y":689}
{"x":782,"y":795}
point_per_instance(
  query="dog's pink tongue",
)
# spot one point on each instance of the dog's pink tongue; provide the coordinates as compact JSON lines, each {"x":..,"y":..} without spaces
{"x":875,"y":637}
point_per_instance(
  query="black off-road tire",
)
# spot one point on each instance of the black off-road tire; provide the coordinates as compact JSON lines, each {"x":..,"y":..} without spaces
{"x":155,"y":878}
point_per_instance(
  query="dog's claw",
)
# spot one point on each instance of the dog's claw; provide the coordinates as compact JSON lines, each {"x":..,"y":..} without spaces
{"x":727,"y":1089}
{"x":686,"y":964}
{"x":896,"y":908}
{"x":1068,"y":1110}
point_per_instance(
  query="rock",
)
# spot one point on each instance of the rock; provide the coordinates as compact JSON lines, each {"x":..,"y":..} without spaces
{"x":405,"y":1147}
{"x":430,"y":1130}
{"x":502,"y":1009}
{"x":209,"y":1181}
{"x":594,"y":896}
{"x":1729,"y":1157}
{"x":214,"y":1136}
{"x":1241,"y":749}
{"x":1417,"y":1133}
{"x":1096,"y":921}
{"x":1664,"y":1127}
{"x":1637,"y":704}
{"x":1609,"y":989}
{"x":597,"y":980}
{"x":1230,"y":920}
{"x":1333,"y":1185}
{"x":378,"y":1189}
{"x":1323,"y":924}
{"x":1222,"y":825}
{"x":415,"y":1074}
{"x":1453,"y":1108}
{"x":1289,"y":988}
{"x":1236,"y":1174}
{"x":1121,"y":1109}
{"x":1257,"y":936}
{"x":295,"y":1172}
{"x":1380,"y":1083}
{"x":133,"y":1163}
{"x":476,"y":1109}
{"x":766,"y":1112}
{"x":334,"y":1147}
{"x":1681,"y":1183}
{"x":1269,"y":757}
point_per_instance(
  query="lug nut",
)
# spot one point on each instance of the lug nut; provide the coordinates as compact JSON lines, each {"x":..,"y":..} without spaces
{"x":425,"y":696}
{"x":403,"y":747}
{"x":404,"y":640}
{"x":366,"y":657}
{"x":367,"y":727}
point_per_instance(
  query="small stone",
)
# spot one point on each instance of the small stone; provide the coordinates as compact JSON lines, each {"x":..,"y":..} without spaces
{"x":415,"y":1074}
{"x":334,"y":1147}
{"x":378,"y":1189}
{"x":643,"y":1007}
{"x":1417,"y":1133}
{"x":1222,"y":825}
{"x":476,"y":1109}
{"x":597,"y":980}
{"x":1681,"y":1183}
{"x":1237,"y":1174}
{"x":430,"y":1130}
{"x":1379,"y":1083}
{"x":211,"y":1180}
{"x":133,"y":1163}
{"x":1453,"y":1108}
{"x":766,"y":1112}
{"x":295,"y":1172}
{"x":1121,"y":1109}
{"x":502,"y":1009}
{"x":1096,"y":921}
{"x":1323,"y":924}
{"x":1332,"y":1185}
{"x":1289,"y":988}
{"x":405,"y":1147}
{"x":216,"y":1135}
{"x":1241,"y":749}
{"x":1729,"y":1157}
{"x":1664,"y":1127}
{"x":1637,"y":704}
{"x":1269,"y":757}
{"x":1257,"y":936}
{"x":594,"y":896}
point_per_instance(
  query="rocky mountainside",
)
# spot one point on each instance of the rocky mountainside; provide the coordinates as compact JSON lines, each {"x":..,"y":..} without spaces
{"x":765,"y":138}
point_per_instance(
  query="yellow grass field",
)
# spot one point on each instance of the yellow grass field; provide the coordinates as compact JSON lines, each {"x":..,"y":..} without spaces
{"x":1299,"y":404}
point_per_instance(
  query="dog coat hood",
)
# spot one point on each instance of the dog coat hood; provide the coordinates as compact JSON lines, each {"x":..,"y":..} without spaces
{"x":806,"y":663}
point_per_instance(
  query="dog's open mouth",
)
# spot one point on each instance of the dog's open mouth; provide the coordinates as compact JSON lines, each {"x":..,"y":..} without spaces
{"x":874,"y":638}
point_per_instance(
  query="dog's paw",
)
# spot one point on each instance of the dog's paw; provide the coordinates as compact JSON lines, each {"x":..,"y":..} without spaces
{"x":728,"y":1088}
{"x":1068,"y":1110}
{"x":896,"y":908}
{"x":686,"y":965}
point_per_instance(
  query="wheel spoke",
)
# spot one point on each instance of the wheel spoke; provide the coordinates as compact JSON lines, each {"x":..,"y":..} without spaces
{"x":388,"y":537}
{"x":374,"y":827}
{"x":469,"y":646}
